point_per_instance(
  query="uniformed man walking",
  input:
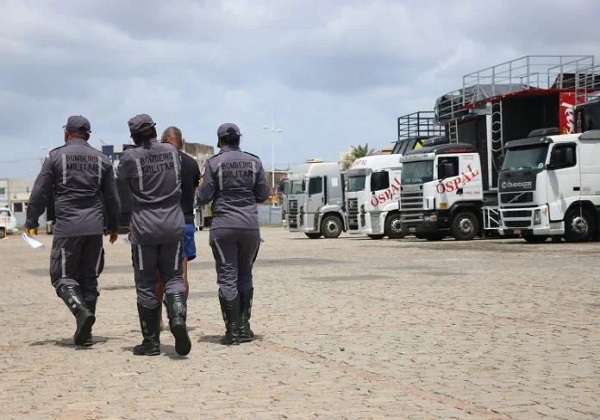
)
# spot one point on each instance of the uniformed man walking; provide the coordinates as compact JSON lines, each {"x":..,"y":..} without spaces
{"x":235,"y":182}
{"x":153,"y":172}
{"x":79,"y":179}
{"x":190,"y":178}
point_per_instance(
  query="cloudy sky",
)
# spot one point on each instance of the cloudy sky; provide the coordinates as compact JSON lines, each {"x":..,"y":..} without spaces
{"x":328,"y":73}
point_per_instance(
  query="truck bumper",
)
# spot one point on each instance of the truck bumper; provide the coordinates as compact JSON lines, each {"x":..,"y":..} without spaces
{"x":428,"y":222}
{"x":533,"y":221}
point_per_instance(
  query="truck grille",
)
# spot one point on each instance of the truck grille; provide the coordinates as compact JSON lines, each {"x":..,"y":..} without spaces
{"x":516,"y":198}
{"x":411,"y":200}
{"x":517,"y":218}
{"x":293,"y":207}
{"x":517,"y":223}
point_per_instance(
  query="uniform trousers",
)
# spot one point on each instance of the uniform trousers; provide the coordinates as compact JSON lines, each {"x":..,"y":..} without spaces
{"x":234,"y":251}
{"x":167,"y":259}
{"x":77,"y":261}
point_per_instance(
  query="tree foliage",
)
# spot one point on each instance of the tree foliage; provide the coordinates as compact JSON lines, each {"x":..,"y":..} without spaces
{"x":361,"y":151}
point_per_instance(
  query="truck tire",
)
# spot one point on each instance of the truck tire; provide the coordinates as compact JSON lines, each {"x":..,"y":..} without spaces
{"x":376,"y":237}
{"x":331,"y":227}
{"x":579,"y":225}
{"x":465,"y":226}
{"x":393,"y":226}
{"x":316,"y":235}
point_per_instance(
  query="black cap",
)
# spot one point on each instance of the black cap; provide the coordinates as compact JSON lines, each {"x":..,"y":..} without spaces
{"x":139,"y":122}
{"x":79,"y":124}
{"x":227,"y":129}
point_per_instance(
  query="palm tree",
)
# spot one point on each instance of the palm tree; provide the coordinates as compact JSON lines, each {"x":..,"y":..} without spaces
{"x":355,"y":152}
{"x":361,"y":151}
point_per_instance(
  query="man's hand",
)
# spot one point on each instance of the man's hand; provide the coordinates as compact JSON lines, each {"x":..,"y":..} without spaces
{"x":113,"y":235}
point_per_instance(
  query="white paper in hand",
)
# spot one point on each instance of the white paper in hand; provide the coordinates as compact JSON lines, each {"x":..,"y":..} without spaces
{"x":34,"y":243}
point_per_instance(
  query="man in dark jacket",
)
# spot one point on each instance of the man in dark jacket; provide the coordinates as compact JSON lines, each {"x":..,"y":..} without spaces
{"x":80,"y":180}
{"x":235,"y":182}
{"x":153,"y":172}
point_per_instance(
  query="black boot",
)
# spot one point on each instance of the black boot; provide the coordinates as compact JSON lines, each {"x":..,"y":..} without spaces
{"x":246,"y":333}
{"x":149,"y":322}
{"x":72,"y":297}
{"x":91,"y":304}
{"x":231,"y":315}
{"x":177,"y":310}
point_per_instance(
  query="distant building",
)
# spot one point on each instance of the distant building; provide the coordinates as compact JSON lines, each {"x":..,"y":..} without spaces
{"x":3,"y":192}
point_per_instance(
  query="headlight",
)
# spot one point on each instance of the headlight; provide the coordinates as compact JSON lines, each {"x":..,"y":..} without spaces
{"x":537,"y":217}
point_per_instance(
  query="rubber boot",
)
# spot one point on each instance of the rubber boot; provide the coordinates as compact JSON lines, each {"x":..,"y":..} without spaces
{"x":177,"y":311}
{"x":231,"y":315}
{"x":91,"y":304}
{"x":72,"y":297}
{"x":246,"y":333}
{"x":149,"y":323}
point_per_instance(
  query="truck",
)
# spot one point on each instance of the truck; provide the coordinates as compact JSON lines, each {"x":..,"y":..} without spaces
{"x":549,"y":186}
{"x":494,"y":105}
{"x":373,"y":184}
{"x":315,"y":200}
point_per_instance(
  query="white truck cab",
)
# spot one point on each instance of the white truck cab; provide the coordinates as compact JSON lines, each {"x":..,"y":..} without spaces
{"x":372,"y":193}
{"x":442,"y":193}
{"x":549,"y":186}
{"x":8,"y":221}
{"x":315,"y":200}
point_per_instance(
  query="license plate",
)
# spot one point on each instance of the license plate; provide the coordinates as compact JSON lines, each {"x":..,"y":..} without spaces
{"x":517,"y":231}
{"x":412,"y":230}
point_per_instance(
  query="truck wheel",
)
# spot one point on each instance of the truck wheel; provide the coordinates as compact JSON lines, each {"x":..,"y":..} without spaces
{"x":393,"y":226}
{"x":313,"y":235}
{"x":434,"y":236}
{"x":331,"y":227}
{"x":579,"y":225}
{"x":535,"y":239}
{"x":465,"y":226}
{"x":376,"y":237}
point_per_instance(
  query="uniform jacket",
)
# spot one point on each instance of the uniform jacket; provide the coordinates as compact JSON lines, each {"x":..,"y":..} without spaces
{"x":235,"y":182}
{"x":153,"y":173}
{"x":81,"y":181}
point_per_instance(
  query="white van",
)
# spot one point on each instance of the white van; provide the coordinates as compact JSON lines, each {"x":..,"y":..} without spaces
{"x":8,"y":221}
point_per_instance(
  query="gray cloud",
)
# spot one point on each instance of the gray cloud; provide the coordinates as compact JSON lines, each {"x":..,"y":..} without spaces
{"x":331,"y":73}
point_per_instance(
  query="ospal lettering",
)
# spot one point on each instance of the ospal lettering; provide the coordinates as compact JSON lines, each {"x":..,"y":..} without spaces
{"x":387,"y":194}
{"x":454,"y":184}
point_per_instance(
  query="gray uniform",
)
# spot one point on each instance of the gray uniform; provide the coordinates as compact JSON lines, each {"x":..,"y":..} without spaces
{"x":153,"y":173}
{"x":80,"y":180}
{"x":235,"y":182}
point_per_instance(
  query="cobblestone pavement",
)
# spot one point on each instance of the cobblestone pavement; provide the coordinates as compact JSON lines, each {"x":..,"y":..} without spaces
{"x":350,"y":328}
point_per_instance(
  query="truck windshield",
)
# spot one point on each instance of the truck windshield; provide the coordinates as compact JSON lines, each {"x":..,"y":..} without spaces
{"x":417,"y":172}
{"x":296,"y":187}
{"x":356,"y":183}
{"x":530,"y":157}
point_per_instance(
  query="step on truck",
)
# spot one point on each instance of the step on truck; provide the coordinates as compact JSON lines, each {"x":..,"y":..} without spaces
{"x":549,"y":186}
{"x":495,"y":105}
{"x":315,"y":200}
